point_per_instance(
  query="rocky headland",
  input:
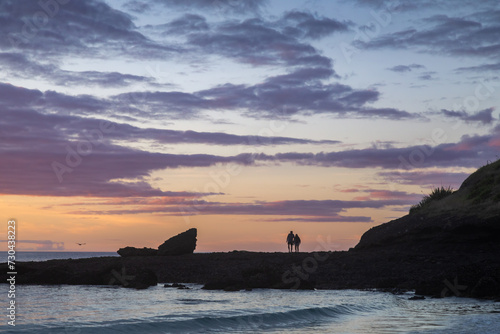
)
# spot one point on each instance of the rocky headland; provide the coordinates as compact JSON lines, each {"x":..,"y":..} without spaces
{"x":448,"y":246}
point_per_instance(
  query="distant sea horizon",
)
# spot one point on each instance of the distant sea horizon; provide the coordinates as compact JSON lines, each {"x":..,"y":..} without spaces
{"x":36,"y":256}
{"x":26,"y":256}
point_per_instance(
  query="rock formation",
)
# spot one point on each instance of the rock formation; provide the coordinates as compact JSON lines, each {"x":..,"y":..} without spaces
{"x":457,"y":238}
{"x":183,"y":243}
{"x":132,"y":251}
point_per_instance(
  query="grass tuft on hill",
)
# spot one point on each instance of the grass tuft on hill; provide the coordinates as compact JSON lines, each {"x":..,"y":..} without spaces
{"x":435,"y":195}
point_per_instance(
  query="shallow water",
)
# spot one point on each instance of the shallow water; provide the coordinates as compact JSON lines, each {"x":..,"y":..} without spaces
{"x":101,"y":309}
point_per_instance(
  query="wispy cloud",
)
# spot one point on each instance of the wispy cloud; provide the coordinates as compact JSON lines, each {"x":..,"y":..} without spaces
{"x":17,"y":65}
{"x":224,"y":6}
{"x":480,"y":68}
{"x":39,"y":245}
{"x":427,"y":179}
{"x":79,"y":28}
{"x":406,"y":68}
{"x":449,"y":35}
{"x":484,"y":116}
{"x":299,"y":210}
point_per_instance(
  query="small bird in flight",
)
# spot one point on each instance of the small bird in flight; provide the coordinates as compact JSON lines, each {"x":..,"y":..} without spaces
{"x":79,"y":244}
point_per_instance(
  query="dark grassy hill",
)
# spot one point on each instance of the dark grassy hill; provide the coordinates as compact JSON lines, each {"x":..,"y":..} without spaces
{"x":461,"y":219}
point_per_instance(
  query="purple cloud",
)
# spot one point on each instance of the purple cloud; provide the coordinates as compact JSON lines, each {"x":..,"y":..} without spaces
{"x":55,"y":166}
{"x":405,"y":68}
{"x":188,"y":24}
{"x":299,"y":93}
{"x":255,"y":42}
{"x":332,"y":219}
{"x":299,"y":210}
{"x":468,"y":152}
{"x":73,"y":28}
{"x":456,"y":36}
{"x":226,"y":6}
{"x":307,"y":25}
{"x":63,"y":155}
{"x":18,"y":65}
{"x":480,"y":68}
{"x":484,"y":116}
{"x":424,"y":178}
{"x":44,"y":129}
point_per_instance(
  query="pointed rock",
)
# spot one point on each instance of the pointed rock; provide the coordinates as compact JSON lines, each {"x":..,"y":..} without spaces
{"x":183,"y":243}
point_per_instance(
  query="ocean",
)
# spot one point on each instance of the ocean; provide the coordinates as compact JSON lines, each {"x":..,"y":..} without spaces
{"x":107,"y":309}
{"x":44,"y":256}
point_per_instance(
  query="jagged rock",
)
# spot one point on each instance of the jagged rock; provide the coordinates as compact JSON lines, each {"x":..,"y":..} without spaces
{"x":132,"y":251}
{"x":183,"y":243}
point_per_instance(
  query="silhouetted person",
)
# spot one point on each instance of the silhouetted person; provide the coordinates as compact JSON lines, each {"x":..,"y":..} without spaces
{"x":289,"y":241}
{"x":296,"y":242}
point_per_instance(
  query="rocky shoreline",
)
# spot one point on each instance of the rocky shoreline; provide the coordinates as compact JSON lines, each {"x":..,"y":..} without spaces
{"x":454,"y":273}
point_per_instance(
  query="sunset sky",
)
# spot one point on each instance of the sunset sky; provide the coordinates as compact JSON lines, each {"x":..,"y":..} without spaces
{"x":123,"y":123}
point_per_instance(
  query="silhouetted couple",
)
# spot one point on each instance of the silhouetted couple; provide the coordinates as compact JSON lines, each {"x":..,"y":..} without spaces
{"x":292,"y":240}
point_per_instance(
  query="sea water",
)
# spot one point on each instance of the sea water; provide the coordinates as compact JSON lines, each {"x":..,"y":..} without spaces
{"x":24,"y":256}
{"x":106,"y":309}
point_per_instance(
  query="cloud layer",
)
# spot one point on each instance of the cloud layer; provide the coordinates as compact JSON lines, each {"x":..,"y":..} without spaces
{"x":475,"y":35}
{"x":299,"y":210}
